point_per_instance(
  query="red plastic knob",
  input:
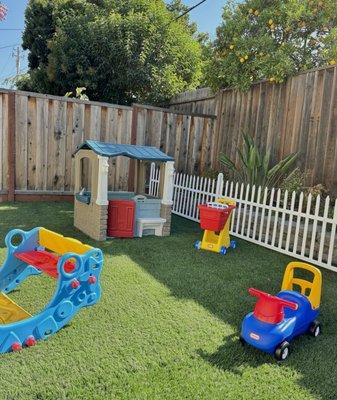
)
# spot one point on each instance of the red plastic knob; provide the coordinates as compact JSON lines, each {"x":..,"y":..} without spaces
{"x":31,"y":341}
{"x":270,"y":308}
{"x":16,"y":346}
{"x":75,"y":284}
{"x":92,"y":280}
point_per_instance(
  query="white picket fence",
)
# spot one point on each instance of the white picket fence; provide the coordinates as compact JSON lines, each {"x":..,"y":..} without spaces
{"x":294,"y":224}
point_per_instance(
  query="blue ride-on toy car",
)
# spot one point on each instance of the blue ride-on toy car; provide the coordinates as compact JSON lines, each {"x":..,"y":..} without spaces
{"x":277,"y":320}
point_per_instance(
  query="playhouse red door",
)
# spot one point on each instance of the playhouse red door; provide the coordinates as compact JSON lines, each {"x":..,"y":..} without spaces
{"x":121,"y":218}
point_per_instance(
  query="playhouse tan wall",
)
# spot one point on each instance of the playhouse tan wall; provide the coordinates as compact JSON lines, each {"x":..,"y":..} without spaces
{"x":91,"y":219}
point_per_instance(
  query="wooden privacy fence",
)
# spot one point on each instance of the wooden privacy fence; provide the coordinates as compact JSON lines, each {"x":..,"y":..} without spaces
{"x":301,"y":226}
{"x":196,"y":101}
{"x":297,"y":116}
{"x":39,"y":133}
{"x":187,"y":138}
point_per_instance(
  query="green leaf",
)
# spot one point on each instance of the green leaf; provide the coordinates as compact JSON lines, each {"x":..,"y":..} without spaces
{"x":254,"y":165}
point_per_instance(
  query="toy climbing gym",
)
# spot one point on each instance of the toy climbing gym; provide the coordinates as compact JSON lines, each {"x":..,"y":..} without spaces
{"x":76,"y":267}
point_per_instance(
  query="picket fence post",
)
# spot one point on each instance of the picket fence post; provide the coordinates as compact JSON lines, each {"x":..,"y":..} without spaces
{"x":219,"y":185}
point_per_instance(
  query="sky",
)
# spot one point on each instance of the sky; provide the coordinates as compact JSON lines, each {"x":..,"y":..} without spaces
{"x":207,"y":16}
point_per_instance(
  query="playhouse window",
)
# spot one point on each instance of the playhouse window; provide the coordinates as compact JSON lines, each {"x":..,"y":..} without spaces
{"x":86,"y":172}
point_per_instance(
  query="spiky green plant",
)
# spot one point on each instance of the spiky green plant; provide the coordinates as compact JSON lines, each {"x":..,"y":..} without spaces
{"x":254,"y":167}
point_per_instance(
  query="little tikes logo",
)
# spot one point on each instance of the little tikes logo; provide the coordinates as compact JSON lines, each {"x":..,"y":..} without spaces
{"x":254,"y":336}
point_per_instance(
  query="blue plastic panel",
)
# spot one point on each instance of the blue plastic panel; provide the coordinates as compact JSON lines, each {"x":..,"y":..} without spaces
{"x":147,"y":153}
{"x":146,"y":208}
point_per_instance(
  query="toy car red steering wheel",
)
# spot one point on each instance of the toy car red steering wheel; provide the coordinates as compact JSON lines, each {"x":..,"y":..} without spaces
{"x":270,"y":308}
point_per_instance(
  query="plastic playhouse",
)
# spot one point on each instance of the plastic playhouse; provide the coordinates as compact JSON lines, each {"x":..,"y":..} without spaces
{"x":77,"y":268}
{"x":277,"y":320}
{"x":215,"y":218}
{"x":101,"y":213}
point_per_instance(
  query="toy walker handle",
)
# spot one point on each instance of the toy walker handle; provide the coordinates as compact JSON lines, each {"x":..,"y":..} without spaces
{"x":272,"y":299}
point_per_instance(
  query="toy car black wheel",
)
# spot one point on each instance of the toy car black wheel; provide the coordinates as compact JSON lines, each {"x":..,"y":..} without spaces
{"x":282,"y":351}
{"x":242,"y":340}
{"x":315,"y":329}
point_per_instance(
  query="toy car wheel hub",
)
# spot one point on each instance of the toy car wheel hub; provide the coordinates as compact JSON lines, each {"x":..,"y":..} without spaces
{"x":282,"y":351}
{"x":285,"y":353}
{"x":317,"y":331}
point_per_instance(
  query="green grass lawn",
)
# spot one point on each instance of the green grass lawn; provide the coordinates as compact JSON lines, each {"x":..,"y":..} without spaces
{"x":167,"y":325}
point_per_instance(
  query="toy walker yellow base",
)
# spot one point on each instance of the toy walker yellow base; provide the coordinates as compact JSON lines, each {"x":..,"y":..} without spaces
{"x":218,"y":242}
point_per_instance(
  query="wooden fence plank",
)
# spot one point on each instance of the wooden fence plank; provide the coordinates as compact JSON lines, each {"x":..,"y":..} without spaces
{"x":8,"y":143}
{"x":69,"y":146}
{"x":32,"y":143}
{"x":2,"y":134}
{"x":59,"y":144}
{"x":21,"y":117}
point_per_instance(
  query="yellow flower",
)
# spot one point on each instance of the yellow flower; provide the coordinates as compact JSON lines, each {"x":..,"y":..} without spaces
{"x":242,"y":60}
{"x":270,"y":22}
{"x":231,"y":46}
{"x":332,"y":62}
{"x":246,"y":57}
{"x":256,"y":12}
{"x":251,"y":11}
{"x":272,"y":79}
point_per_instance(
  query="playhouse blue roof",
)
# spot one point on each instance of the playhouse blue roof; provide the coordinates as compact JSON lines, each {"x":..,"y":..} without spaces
{"x":136,"y":152}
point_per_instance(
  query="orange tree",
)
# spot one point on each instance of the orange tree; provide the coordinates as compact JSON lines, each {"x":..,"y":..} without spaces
{"x":271,"y":39}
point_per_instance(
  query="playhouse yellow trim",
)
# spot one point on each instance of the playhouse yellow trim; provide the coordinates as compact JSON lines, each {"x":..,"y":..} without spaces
{"x":211,"y":240}
{"x":11,"y":312}
{"x":315,"y":286}
{"x":60,"y":244}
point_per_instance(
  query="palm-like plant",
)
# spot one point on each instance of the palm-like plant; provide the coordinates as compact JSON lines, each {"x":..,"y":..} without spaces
{"x":254,"y":167}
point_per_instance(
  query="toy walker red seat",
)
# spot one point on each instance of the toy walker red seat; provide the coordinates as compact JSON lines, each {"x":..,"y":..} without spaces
{"x":276,"y":320}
